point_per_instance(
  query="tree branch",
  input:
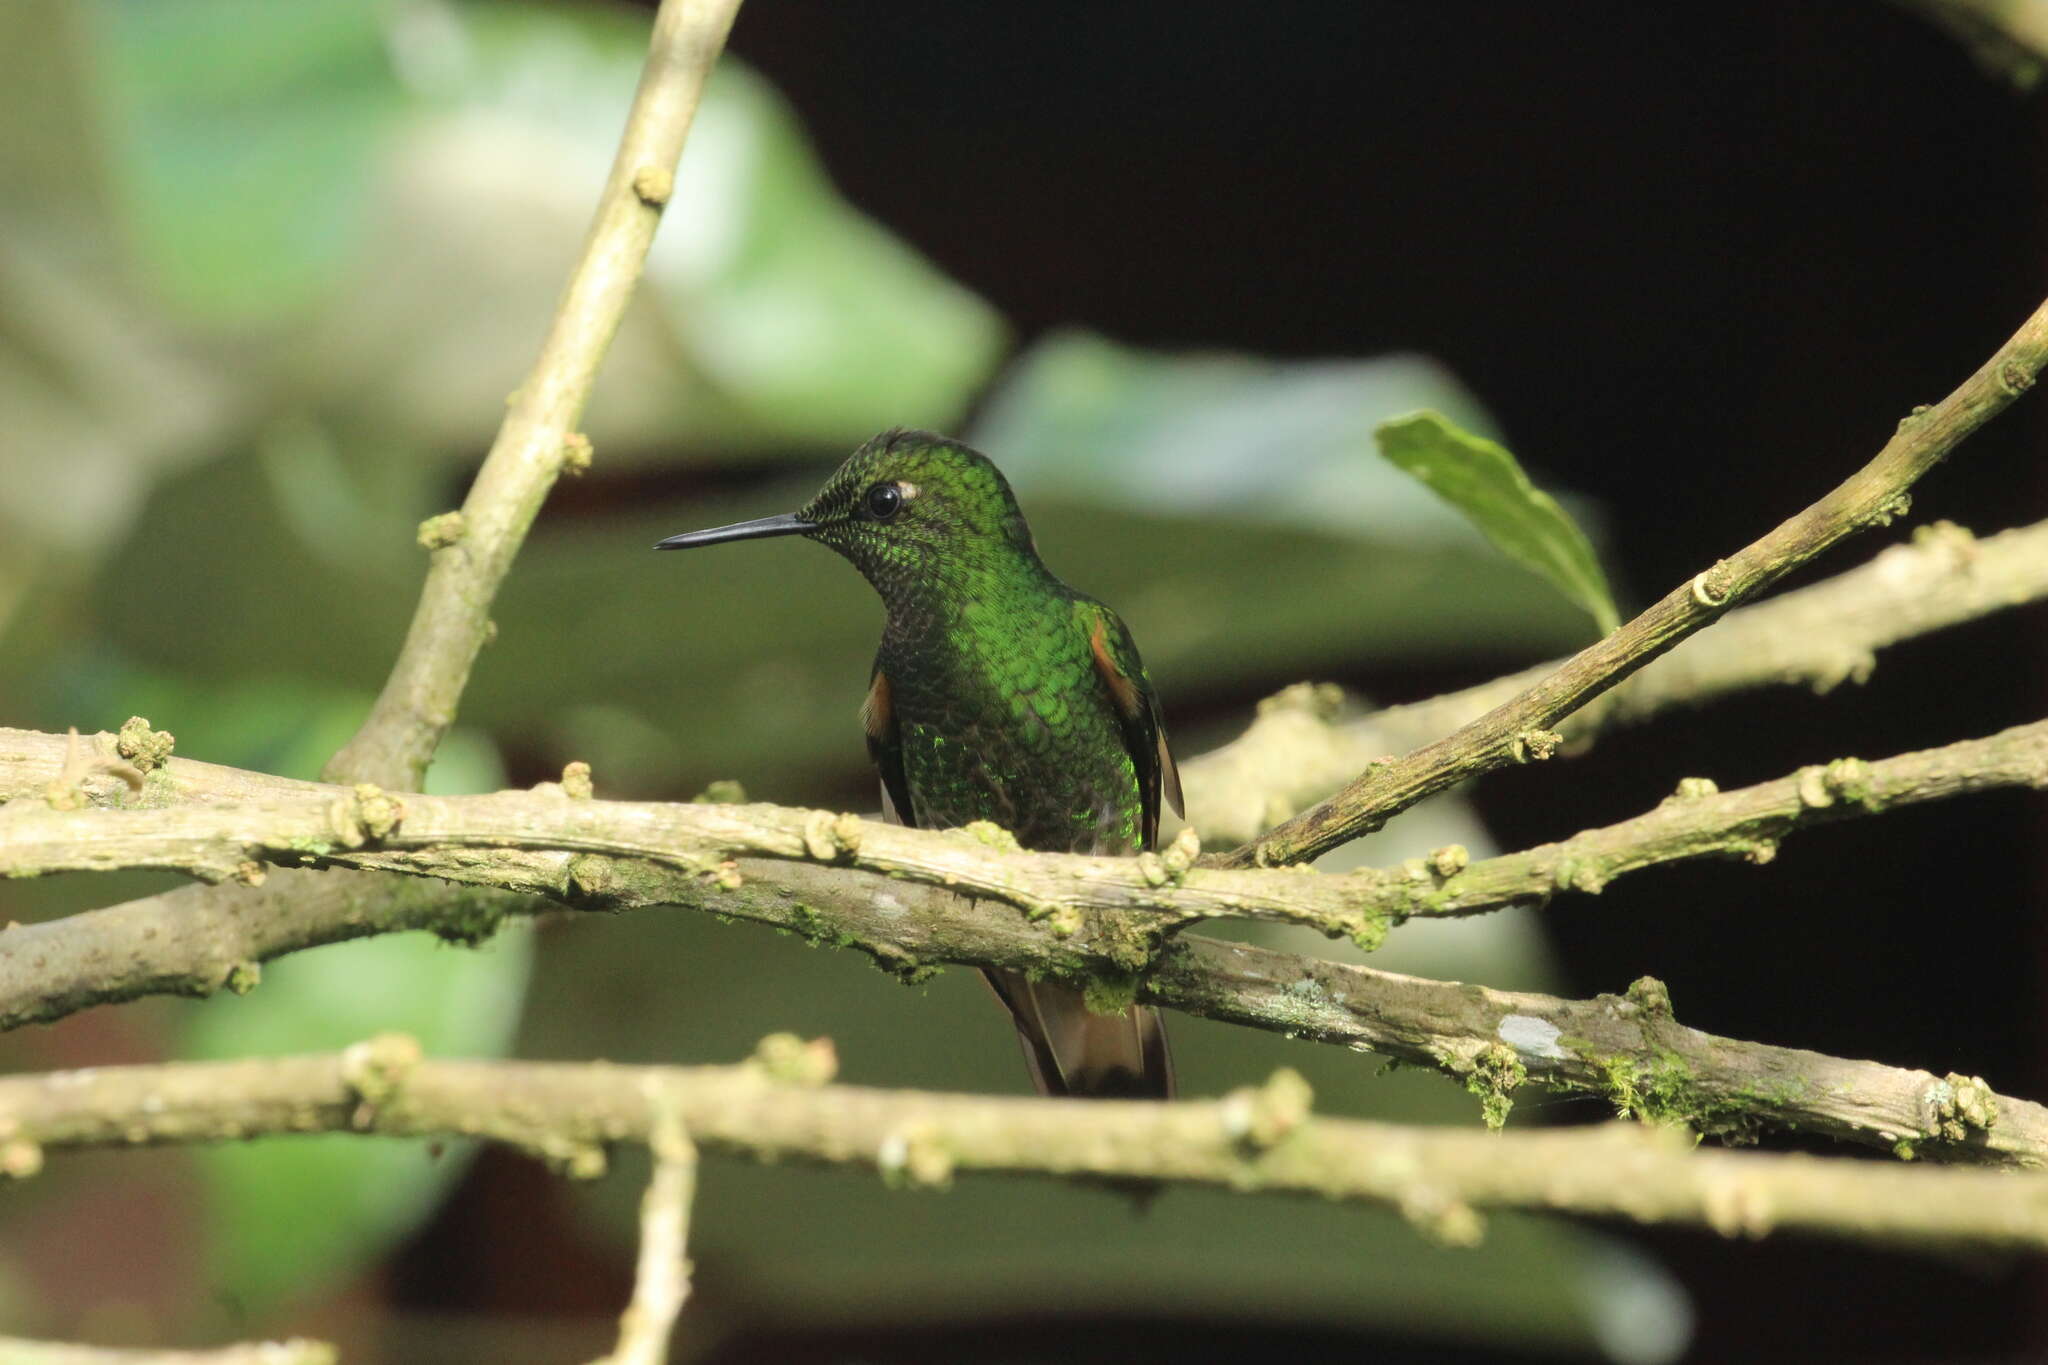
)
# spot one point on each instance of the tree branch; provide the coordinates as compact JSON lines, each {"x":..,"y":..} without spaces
{"x":297,"y":1351}
{"x":1298,"y":751}
{"x":1516,"y":731}
{"x":1127,"y":905}
{"x":1628,"y":1051}
{"x":474,"y":548}
{"x":661,"y":1281}
{"x":1256,"y":1139}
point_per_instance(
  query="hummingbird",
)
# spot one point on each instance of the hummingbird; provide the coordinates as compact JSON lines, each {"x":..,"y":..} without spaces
{"x":998,"y":693}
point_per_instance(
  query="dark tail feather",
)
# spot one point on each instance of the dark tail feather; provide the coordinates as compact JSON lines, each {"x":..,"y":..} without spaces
{"x":1071,"y":1050}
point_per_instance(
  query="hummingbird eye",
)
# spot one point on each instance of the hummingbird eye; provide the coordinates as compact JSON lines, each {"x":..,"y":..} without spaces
{"x":884,"y":501}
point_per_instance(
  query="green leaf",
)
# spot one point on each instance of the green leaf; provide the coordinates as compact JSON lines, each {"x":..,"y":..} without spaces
{"x":1481,"y":479}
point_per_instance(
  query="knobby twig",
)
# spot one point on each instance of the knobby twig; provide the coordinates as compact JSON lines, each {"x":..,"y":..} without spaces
{"x":1629,"y":1051}
{"x":1262,"y":1138}
{"x":1517,"y":730}
{"x":297,"y":1351}
{"x":474,"y":548}
{"x":661,"y":1281}
{"x":1299,"y":750}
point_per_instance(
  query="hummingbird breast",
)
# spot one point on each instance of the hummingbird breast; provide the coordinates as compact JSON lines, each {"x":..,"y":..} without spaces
{"x":1002,"y":717}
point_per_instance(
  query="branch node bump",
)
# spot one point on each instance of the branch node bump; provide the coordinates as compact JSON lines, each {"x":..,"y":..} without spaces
{"x":1448,"y":861}
{"x":441,"y":532}
{"x":915,"y":1157}
{"x":991,"y":835}
{"x":654,"y":185}
{"x":1441,"y":1218}
{"x":142,"y":746}
{"x":1180,"y":855}
{"x":1919,"y":410}
{"x":576,"y":784}
{"x":368,"y":812}
{"x":1710,"y":587}
{"x":1533,"y":746}
{"x":1959,"y":1106}
{"x":1735,"y":1208}
{"x":1650,"y":996}
{"x":249,"y":872}
{"x":1258,"y":1117}
{"x":1692,"y":789}
{"x":789,"y":1060}
{"x":1891,"y":510}
{"x":723,"y":792}
{"x":376,"y":1069}
{"x":244,"y":976}
{"x":20,"y":1156}
{"x":830,"y":838}
{"x":2015,"y":377}
{"x":577,"y":454}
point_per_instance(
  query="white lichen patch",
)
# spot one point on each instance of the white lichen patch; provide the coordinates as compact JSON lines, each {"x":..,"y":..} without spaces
{"x":1530,"y":1036}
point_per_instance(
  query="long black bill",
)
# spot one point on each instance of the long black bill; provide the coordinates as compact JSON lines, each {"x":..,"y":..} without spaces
{"x":788,"y":524}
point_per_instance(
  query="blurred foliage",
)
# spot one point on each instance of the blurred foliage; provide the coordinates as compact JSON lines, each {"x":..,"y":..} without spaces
{"x":266,"y":275}
{"x":1481,"y":479}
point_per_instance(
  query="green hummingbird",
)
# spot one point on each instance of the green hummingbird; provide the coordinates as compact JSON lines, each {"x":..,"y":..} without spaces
{"x":999,"y":693}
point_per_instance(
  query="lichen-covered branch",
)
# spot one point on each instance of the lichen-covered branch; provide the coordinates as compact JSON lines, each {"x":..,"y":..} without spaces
{"x":473,"y":549}
{"x":1132,"y":902}
{"x":1518,"y":730}
{"x":1259,"y":1139}
{"x":1302,"y":746}
{"x":1628,"y":1050}
{"x":297,"y":1351}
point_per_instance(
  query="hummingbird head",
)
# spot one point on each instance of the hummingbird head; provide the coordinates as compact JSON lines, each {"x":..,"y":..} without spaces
{"x":905,"y":507}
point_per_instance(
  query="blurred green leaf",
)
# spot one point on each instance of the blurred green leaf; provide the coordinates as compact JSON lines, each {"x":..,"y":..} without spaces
{"x":243,"y":135}
{"x":1481,"y":479}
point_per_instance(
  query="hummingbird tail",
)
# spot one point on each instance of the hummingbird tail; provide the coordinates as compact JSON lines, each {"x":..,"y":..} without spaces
{"x":1072,"y":1050}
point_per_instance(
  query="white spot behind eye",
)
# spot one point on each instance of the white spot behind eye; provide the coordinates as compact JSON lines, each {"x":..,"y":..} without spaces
{"x":907,"y":489}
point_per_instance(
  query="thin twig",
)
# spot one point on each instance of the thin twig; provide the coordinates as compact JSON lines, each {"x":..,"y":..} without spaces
{"x":1518,"y":730}
{"x":474,"y":549}
{"x":661,"y":1281}
{"x":1262,"y":1138}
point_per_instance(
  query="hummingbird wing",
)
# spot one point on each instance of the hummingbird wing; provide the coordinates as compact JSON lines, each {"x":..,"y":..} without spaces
{"x":885,"y":747}
{"x":1137,"y":711}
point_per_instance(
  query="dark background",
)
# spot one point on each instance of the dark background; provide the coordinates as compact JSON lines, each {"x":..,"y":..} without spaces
{"x":1698,"y":260}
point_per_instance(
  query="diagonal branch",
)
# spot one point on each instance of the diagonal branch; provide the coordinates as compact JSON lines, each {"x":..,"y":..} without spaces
{"x":1297,"y":751}
{"x":1257,"y":1139}
{"x":1517,"y":730}
{"x":474,"y":548}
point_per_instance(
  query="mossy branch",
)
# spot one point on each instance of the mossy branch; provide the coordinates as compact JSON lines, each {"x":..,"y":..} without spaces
{"x":473,"y":549}
{"x":1626,"y":1050}
{"x":1258,"y":1139}
{"x":1519,"y":730}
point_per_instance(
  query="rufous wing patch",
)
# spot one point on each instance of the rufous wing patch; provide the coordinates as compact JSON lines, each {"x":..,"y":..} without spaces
{"x":874,"y":708}
{"x":1121,"y":689}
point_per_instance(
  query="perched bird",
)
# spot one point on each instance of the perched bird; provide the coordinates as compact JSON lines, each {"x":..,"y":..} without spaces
{"x":999,"y":693}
